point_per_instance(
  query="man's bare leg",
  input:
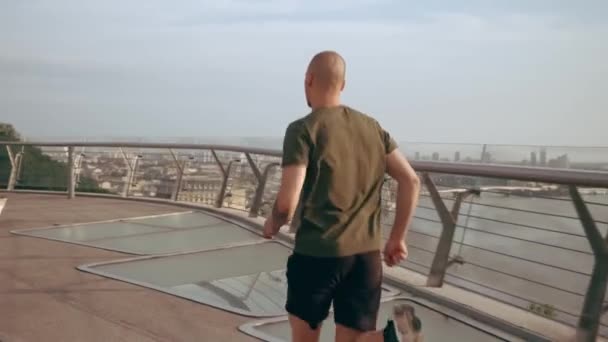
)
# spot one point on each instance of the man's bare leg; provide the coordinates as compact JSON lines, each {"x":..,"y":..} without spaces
{"x":378,"y":336}
{"x":346,"y":334}
{"x":301,"y":331}
{"x":407,"y":326}
{"x":373,"y":336}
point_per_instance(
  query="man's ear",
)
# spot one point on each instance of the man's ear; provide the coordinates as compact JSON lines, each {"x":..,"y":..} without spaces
{"x":308,"y":79}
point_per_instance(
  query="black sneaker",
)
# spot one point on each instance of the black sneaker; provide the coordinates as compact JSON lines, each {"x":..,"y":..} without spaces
{"x":390,"y":332}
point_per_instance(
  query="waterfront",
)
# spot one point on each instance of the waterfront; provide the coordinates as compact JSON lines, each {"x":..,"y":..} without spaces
{"x":519,"y":250}
{"x":522,"y":250}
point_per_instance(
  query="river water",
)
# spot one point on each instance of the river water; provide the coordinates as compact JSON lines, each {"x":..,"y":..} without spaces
{"x":520,"y":250}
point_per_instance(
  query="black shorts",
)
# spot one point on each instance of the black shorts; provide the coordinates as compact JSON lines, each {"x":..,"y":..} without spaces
{"x":353,"y":283}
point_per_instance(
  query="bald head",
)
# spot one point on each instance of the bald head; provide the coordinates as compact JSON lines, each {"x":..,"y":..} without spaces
{"x":327,"y":71}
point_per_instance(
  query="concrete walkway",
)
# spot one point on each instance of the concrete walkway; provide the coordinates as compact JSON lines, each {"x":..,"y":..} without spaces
{"x":44,"y":298}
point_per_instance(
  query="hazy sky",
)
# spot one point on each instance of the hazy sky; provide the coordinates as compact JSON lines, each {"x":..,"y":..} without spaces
{"x":512,"y":71}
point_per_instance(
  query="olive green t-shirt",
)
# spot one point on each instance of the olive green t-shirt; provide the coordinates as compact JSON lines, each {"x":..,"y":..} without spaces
{"x":345,"y":153}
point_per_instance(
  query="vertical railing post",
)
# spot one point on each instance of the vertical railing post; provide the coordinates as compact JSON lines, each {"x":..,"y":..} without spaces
{"x":220,"y":196}
{"x":71,"y":182}
{"x":441,"y":260}
{"x":79,"y":159}
{"x":484,"y":150}
{"x":131,"y":170}
{"x":130,"y":173}
{"x":589,"y":321}
{"x":20,"y":156}
{"x":258,"y":178}
{"x":254,"y":167}
{"x":180,"y":179}
{"x":219,"y":201}
{"x":12,"y":179}
{"x":18,"y":162}
{"x":181,"y":167}
{"x":259,"y":191}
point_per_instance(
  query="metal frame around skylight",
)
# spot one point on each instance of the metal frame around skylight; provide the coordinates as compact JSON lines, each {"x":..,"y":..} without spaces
{"x":251,"y":328}
{"x":29,"y":231}
{"x":392,"y":291}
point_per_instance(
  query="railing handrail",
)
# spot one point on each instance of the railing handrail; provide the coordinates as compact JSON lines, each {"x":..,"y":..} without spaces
{"x":521,"y":173}
{"x":589,"y":319}
{"x":177,"y":146}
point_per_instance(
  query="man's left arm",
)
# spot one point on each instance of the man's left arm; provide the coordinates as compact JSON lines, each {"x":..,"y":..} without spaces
{"x":285,"y":205}
{"x":297,"y":146}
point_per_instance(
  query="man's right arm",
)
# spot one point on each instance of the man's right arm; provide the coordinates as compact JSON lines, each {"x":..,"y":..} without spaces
{"x":408,"y":187}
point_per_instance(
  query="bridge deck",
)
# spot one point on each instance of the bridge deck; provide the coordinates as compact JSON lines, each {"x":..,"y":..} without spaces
{"x":44,"y":297}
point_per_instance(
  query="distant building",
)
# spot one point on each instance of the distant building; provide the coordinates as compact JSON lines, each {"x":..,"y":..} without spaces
{"x":165,"y":188}
{"x":543,"y":156}
{"x":486,"y":157}
{"x":435,"y":156}
{"x":239,"y":199}
{"x":561,"y":162}
{"x":198,"y":189}
{"x":417,"y":156}
{"x":533,"y":158}
{"x":457,"y":156}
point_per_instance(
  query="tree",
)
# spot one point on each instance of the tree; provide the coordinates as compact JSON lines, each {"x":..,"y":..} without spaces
{"x":38,"y":171}
{"x":8,"y":132}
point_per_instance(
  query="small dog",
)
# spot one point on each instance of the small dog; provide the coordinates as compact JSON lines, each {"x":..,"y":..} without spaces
{"x":404,"y":327}
{"x":408,"y":324}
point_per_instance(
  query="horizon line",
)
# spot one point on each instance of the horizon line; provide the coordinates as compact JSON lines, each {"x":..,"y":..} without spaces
{"x":405,"y":142}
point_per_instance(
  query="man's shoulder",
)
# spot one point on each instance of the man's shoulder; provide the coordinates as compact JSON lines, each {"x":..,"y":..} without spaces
{"x":299,"y":126}
{"x":363,"y":116}
{"x":306,"y":122}
{"x":299,"y":123}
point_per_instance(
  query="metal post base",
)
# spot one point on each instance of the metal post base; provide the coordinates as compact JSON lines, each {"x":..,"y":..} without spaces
{"x":441,"y":261}
{"x":589,"y":321}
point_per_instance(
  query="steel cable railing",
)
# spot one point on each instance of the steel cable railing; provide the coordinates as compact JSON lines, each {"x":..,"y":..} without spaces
{"x":524,"y":238}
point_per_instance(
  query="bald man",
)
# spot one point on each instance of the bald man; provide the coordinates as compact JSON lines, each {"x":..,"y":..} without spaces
{"x":334,"y":163}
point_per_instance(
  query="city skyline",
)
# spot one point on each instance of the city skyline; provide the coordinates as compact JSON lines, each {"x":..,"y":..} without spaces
{"x":510,"y":72}
{"x":541,"y":156}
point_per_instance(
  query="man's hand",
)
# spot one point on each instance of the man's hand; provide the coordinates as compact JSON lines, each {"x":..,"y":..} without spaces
{"x":270,"y":228}
{"x":395,"y":252}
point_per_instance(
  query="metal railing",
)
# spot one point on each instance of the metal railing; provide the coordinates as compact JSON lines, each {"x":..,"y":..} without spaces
{"x":528,"y":236}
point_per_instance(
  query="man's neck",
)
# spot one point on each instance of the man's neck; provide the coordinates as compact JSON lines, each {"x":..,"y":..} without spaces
{"x":330,"y":103}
